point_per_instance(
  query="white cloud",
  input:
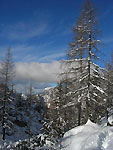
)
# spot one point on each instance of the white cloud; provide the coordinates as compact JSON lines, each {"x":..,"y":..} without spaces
{"x":41,"y":75}
{"x":39,"y":72}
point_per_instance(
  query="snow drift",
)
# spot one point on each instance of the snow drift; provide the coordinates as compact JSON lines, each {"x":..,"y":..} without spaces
{"x":88,"y":137}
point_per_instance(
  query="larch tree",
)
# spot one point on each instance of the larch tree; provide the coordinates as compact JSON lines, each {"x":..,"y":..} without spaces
{"x":109,"y":84}
{"x":6,"y":75}
{"x":60,"y":108}
{"x":29,"y":108}
{"x":84,"y":73}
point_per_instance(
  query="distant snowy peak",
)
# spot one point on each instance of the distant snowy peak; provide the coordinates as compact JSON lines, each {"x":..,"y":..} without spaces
{"x":49,"y":95}
{"x":48,"y":88}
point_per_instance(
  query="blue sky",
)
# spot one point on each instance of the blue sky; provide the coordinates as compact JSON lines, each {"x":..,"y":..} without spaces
{"x":39,"y":31}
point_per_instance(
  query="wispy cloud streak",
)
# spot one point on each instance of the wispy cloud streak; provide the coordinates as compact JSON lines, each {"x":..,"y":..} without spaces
{"x":24,"y":31}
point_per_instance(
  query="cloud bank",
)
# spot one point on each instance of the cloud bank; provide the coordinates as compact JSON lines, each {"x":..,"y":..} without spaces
{"x":38,"y":72}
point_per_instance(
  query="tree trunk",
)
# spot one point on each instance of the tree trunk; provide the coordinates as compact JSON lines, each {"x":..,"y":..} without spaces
{"x":87,"y":112}
{"x":3,"y":122}
{"x":79,"y":113}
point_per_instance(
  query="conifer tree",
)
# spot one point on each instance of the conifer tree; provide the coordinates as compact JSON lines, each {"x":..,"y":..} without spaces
{"x":109,"y":84}
{"x":81,"y":65}
{"x":29,"y":109}
{"x":6,"y":74}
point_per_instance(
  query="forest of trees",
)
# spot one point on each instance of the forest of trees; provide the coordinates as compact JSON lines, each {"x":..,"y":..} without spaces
{"x":83,"y":92}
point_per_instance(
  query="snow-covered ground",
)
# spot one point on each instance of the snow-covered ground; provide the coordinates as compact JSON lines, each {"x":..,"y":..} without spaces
{"x":88,"y":137}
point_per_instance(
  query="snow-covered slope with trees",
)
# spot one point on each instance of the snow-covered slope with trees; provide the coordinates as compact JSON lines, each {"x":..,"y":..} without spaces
{"x":25,"y":118}
{"x":84,"y":91}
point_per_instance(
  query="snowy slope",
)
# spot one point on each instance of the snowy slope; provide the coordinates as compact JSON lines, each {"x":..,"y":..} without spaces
{"x":49,"y":94}
{"x":88,"y":137}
